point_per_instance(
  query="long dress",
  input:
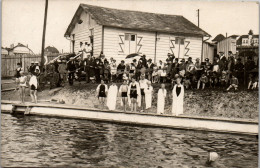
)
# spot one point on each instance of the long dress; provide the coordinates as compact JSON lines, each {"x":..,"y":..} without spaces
{"x":148,"y":96}
{"x":111,"y":97}
{"x":161,"y":100}
{"x":177,"y":100}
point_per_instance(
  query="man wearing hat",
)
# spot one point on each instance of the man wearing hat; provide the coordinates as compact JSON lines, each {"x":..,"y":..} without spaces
{"x":222,"y":61}
{"x":170,"y":57}
{"x":150,"y":69}
{"x":120,"y":70}
{"x":143,"y":59}
{"x":31,"y":68}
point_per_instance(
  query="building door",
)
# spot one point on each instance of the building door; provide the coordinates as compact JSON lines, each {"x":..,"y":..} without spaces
{"x":179,"y":44}
{"x":130,"y":43}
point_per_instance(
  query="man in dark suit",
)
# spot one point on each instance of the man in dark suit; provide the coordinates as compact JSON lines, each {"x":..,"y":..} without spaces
{"x":222,"y":62}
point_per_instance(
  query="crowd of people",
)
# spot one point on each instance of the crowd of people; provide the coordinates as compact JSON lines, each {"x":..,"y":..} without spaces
{"x":222,"y":72}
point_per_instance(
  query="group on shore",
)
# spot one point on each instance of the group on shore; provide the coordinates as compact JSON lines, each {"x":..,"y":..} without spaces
{"x":139,"y":94}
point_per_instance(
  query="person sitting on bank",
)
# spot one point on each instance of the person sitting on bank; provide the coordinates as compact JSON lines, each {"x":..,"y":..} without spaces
{"x":233,"y":83}
{"x":22,"y":85}
{"x":102,"y":93}
{"x":203,"y":79}
{"x":123,"y":94}
{"x":33,"y":86}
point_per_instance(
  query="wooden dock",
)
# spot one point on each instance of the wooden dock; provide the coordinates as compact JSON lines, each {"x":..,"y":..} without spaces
{"x":179,"y":122}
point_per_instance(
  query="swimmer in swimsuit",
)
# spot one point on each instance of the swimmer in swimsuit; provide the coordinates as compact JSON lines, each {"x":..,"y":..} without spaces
{"x":123,"y":91}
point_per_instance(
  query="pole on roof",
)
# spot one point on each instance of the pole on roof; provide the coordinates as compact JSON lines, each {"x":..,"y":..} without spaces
{"x":43,"y":34}
{"x":198,"y":17}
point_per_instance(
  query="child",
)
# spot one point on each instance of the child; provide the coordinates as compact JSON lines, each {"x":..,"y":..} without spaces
{"x":250,"y":81}
{"x":223,"y":78}
{"x":102,"y":93}
{"x":148,"y":95}
{"x":22,"y":85}
{"x":203,"y":79}
{"x":255,"y":84}
{"x":123,"y":94}
{"x":186,"y":82}
{"x":161,"y":99}
{"x":233,"y":83}
{"x":33,"y":87}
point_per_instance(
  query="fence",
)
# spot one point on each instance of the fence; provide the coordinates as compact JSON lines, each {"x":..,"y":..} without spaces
{"x":9,"y":62}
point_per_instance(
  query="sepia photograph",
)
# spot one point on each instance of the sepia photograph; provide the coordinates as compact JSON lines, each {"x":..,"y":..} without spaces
{"x":129,"y":83}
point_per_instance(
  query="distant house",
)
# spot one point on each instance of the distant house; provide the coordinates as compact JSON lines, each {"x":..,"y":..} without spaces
{"x":248,"y":40}
{"x":19,"y":49}
{"x":121,"y":32}
{"x":218,"y":38}
{"x":4,"y":51}
{"x":51,"y":50}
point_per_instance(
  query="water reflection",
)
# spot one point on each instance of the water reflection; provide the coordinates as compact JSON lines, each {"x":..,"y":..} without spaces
{"x":41,"y":141}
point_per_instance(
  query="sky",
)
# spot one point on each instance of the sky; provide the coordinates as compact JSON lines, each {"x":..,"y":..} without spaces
{"x":22,"y":20}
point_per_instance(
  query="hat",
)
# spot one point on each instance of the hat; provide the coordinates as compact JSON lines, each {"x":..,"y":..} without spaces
{"x":134,"y":60}
{"x":230,"y":52}
{"x":102,"y":55}
{"x":206,"y":59}
{"x":32,"y":62}
{"x":150,"y":60}
{"x":197,"y":59}
{"x":189,"y":58}
{"x":36,"y":62}
{"x":176,"y":59}
{"x":182,"y":60}
{"x":169,"y":54}
{"x":221,"y":52}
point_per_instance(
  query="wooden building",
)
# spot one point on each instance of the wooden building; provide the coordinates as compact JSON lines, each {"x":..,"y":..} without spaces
{"x":121,"y":32}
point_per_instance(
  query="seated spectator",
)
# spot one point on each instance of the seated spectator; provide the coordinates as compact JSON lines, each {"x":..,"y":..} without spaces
{"x":186,"y":82}
{"x":223,"y":78}
{"x":233,"y":83}
{"x":203,"y":79}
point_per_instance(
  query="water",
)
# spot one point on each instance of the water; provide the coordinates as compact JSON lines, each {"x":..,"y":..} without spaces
{"x":42,"y":141}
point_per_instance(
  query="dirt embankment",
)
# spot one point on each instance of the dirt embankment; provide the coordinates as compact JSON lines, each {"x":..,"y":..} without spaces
{"x":213,"y":103}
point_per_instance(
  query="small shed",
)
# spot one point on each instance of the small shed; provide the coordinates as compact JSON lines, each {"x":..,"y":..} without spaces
{"x":121,"y":32}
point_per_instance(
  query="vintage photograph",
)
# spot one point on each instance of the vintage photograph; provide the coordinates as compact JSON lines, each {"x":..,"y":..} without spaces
{"x":129,"y":83}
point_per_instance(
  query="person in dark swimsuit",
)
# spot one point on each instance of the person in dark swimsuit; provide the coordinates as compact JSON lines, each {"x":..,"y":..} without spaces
{"x":18,"y":75}
{"x":123,"y":90}
{"x":102,"y":93}
{"x":133,"y":94}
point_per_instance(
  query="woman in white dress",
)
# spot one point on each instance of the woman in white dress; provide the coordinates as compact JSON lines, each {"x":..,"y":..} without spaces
{"x":177,"y":98}
{"x":148,"y":91}
{"x":161,"y":99}
{"x":112,"y":96}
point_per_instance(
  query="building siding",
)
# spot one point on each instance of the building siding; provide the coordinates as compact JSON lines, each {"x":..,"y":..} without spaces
{"x":82,"y":33}
{"x":228,"y":44}
{"x":114,"y":43}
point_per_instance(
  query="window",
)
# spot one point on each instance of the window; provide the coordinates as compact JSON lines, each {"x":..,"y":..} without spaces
{"x":182,"y":41}
{"x":127,"y":37}
{"x":132,"y":37}
{"x":246,"y":41}
{"x":176,"y":40}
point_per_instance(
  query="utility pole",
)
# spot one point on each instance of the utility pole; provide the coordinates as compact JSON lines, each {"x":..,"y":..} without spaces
{"x":198,"y":17}
{"x":43,"y":34}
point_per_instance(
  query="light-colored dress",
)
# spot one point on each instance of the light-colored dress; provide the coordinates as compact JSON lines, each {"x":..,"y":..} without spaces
{"x":33,"y":81}
{"x":148,"y":96}
{"x":177,"y":101}
{"x":111,"y":97}
{"x":161,"y":100}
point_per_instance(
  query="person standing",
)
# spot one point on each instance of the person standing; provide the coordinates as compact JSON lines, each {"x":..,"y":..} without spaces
{"x":162,"y":93}
{"x":63,"y":72}
{"x":148,"y":91}
{"x":33,"y":87}
{"x":102,"y":93}
{"x":112,"y":96}
{"x":71,"y":67}
{"x":120,"y":70}
{"x":22,"y":85}
{"x":87,"y":63}
{"x":149,"y":69}
{"x":113,"y":69}
{"x":134,"y":94}
{"x":123,"y":94}
{"x":222,"y":62}
{"x":18,"y":74}
{"x":239,"y":69}
{"x":177,"y":98}
{"x":143,"y":85}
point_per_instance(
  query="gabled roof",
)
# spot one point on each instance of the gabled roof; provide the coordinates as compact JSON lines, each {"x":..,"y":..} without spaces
{"x":145,"y":21}
{"x":239,"y":40}
{"x":218,"y":38}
